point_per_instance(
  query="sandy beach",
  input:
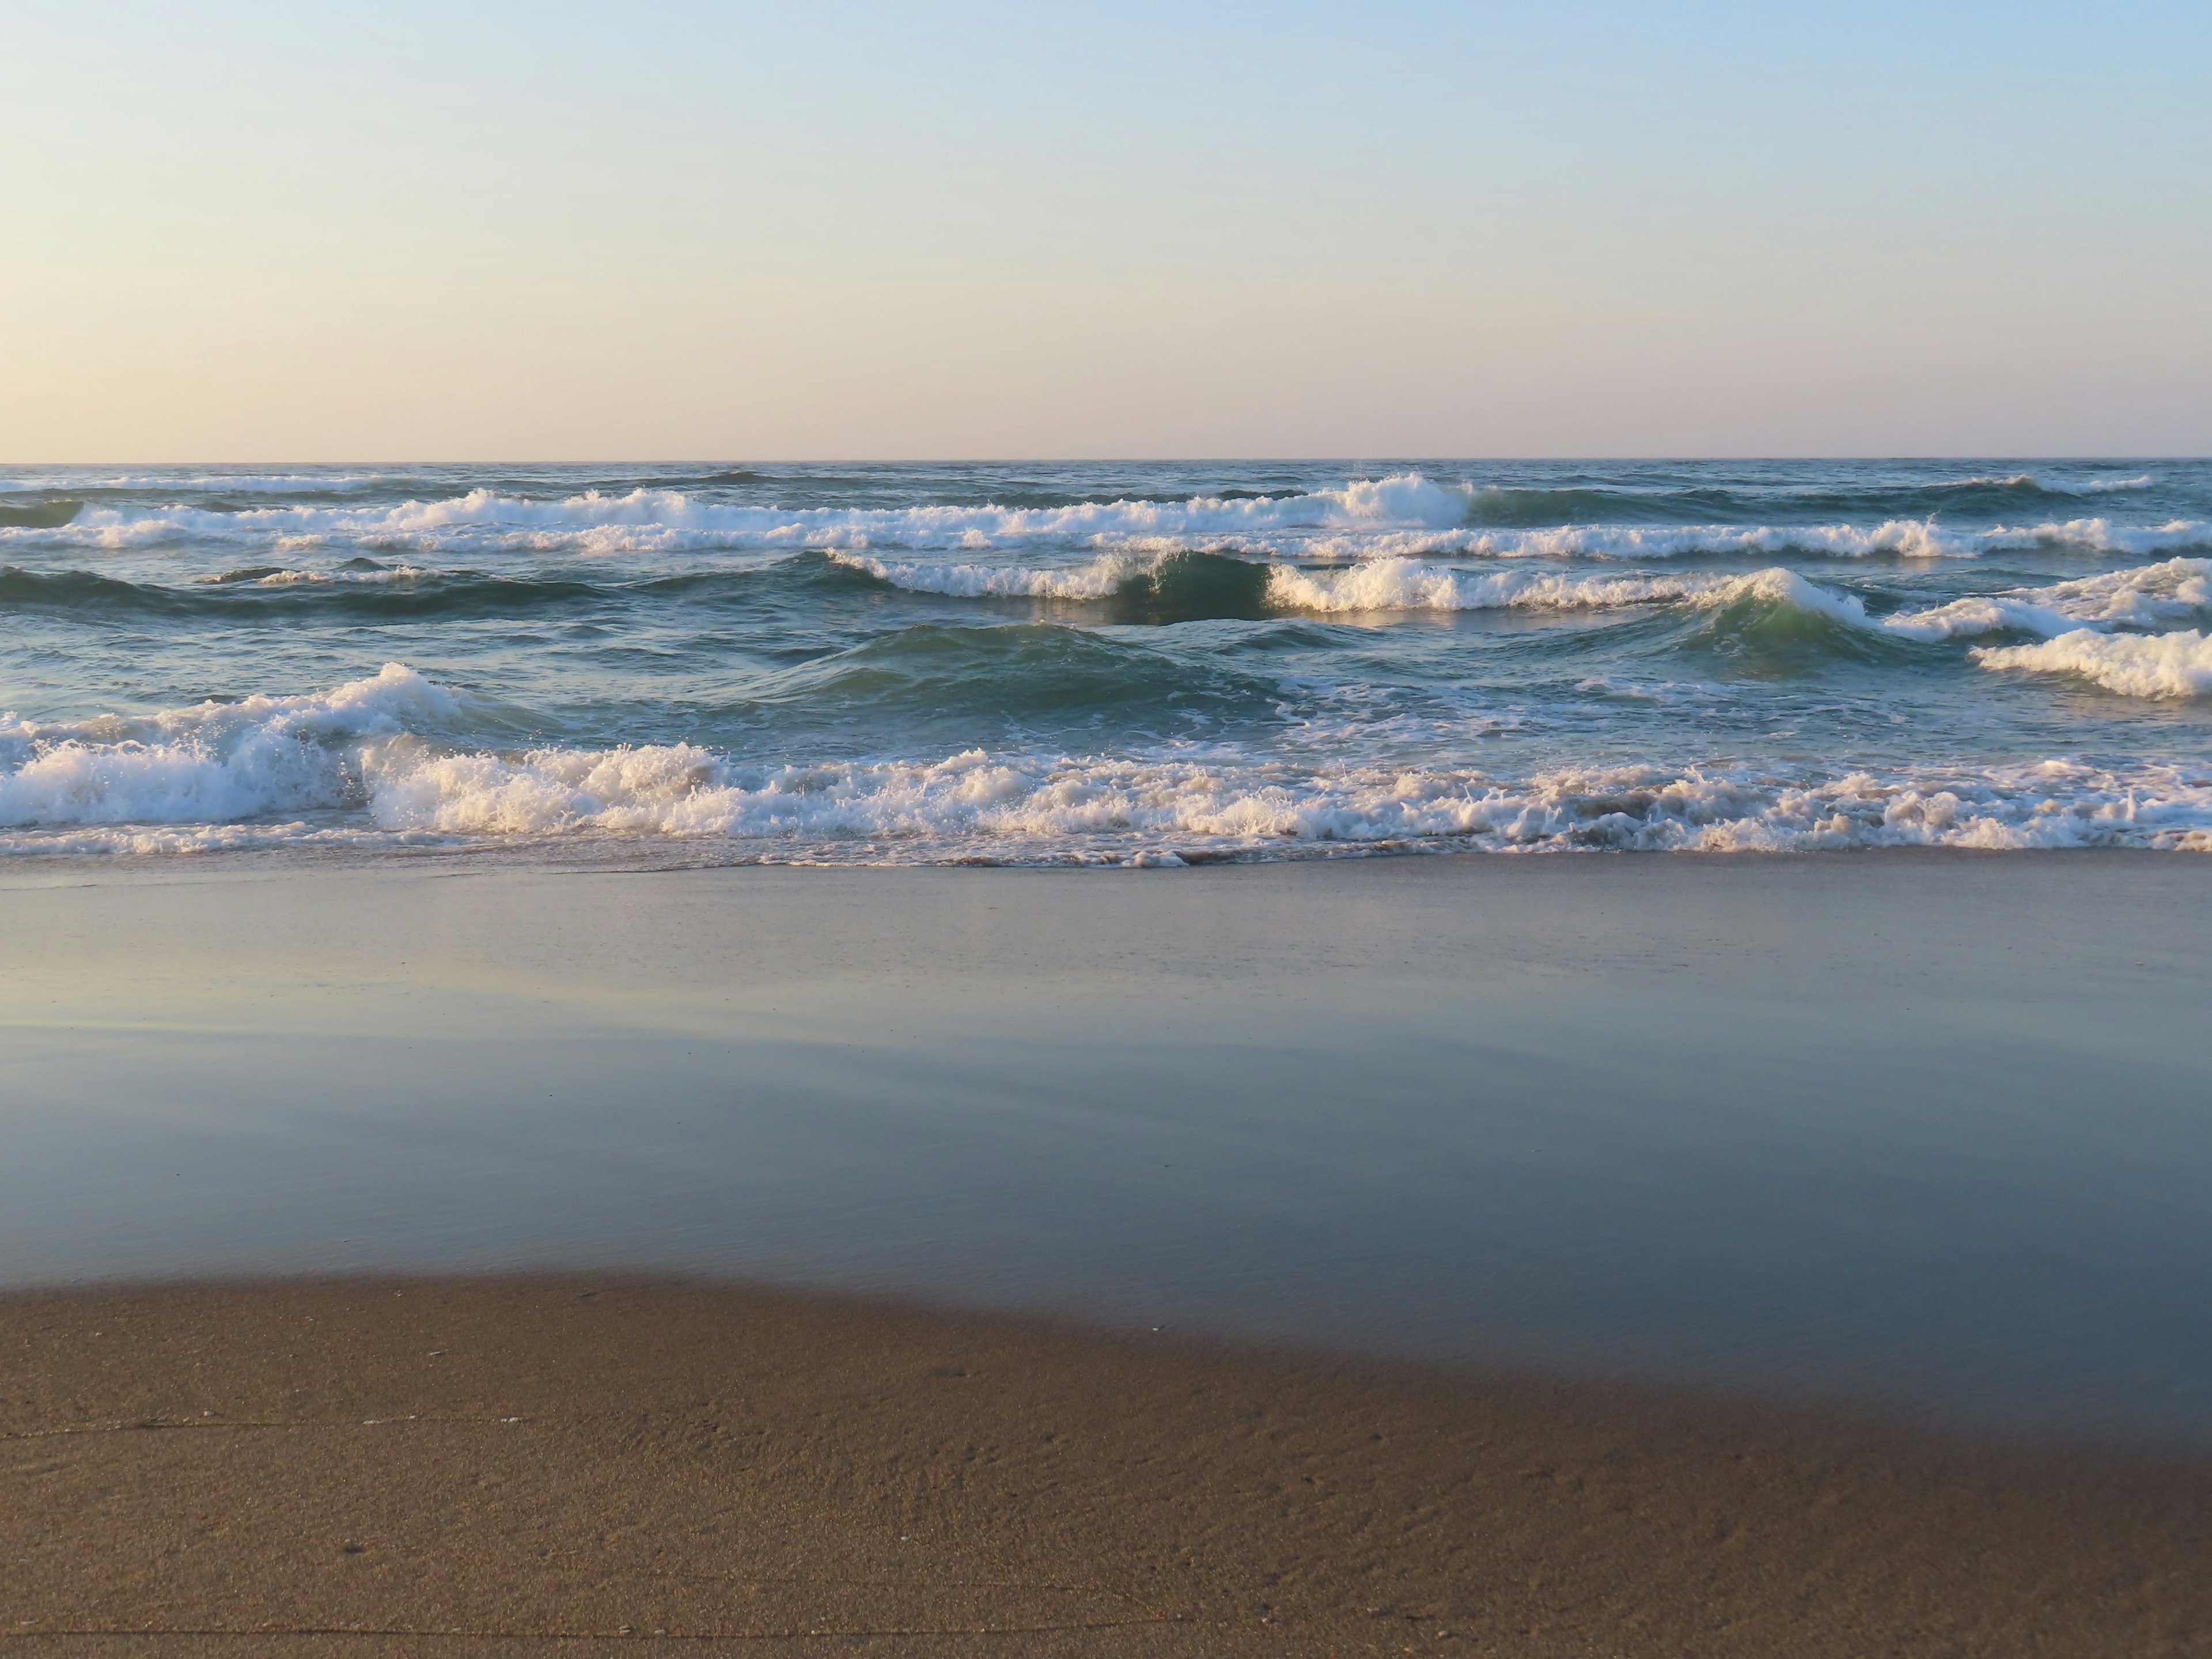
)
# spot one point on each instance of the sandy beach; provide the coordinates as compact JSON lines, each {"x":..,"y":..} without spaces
{"x":580,"y":1464}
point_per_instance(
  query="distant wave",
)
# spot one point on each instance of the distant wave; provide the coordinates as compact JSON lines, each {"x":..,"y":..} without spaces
{"x":201,"y":482}
{"x":1591,"y":502}
{"x":649,"y":519}
{"x":2141,"y":597}
{"x":1403,"y":515}
{"x":1382,"y":584}
{"x":382,"y":753}
{"x":280,"y":576}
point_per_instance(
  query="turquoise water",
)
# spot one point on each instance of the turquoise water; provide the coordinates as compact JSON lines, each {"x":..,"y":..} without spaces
{"x":1105,"y":662}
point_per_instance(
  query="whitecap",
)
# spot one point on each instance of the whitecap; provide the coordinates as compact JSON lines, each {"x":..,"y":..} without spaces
{"x":2155,"y":665}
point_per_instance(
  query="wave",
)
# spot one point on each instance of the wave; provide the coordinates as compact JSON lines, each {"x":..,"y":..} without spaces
{"x":212,"y":761}
{"x":654,"y":519}
{"x":277,"y":590}
{"x":1400,"y":584}
{"x":2155,"y":665}
{"x":381,"y":759}
{"x":212,"y":482}
{"x":361,"y":573}
{"x":2142,"y":598}
{"x":1027,"y":676}
{"x":973,"y":804}
{"x":1401,"y":516}
{"x":1904,"y":538}
{"x":1589,"y":501}
{"x":1380,"y":584}
{"x":1198,"y":584}
{"x":40,"y":515}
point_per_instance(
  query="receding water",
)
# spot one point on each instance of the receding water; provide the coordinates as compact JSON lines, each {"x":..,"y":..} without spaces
{"x":919,"y":663}
{"x":1925,"y":1132}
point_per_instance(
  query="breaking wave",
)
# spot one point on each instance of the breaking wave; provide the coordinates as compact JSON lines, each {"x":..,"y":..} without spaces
{"x":2142,"y":598}
{"x":2155,"y":665}
{"x":388,"y":757}
{"x":1401,"y":516}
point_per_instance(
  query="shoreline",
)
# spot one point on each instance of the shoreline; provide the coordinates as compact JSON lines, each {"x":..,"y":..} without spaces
{"x":664,"y":856}
{"x":1908,"y":1134}
{"x":435,"y":1463}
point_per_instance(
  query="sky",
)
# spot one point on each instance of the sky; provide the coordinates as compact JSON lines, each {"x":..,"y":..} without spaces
{"x":401,"y":231}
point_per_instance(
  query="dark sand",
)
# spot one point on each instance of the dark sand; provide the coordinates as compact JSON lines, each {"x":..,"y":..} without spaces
{"x":418,"y":1467}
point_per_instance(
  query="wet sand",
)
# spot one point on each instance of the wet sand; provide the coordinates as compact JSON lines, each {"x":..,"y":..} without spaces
{"x":1921,"y":1134}
{"x":592,"y":1465}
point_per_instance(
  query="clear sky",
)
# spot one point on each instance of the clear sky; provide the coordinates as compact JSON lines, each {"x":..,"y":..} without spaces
{"x":250,"y":231}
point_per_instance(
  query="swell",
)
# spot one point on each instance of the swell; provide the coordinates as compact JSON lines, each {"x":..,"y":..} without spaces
{"x":1038,"y":677}
{"x":1533,"y":507}
{"x":39,"y":515}
{"x":277,"y":593}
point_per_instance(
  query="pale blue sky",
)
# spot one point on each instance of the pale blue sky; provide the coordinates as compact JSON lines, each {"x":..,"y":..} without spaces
{"x":260,"y":231}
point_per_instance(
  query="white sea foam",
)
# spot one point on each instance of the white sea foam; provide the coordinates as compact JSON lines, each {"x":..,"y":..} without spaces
{"x":2145,"y":596}
{"x":365,"y":759}
{"x":1403,"y":584}
{"x":212,"y":761}
{"x":1778,"y":587}
{"x":398,"y":574}
{"x":1911,"y":538}
{"x":1097,"y":580}
{"x":975,"y":804}
{"x":2133,"y":664}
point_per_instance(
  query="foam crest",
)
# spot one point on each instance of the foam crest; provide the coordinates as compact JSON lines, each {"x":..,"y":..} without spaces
{"x":1404,"y":584}
{"x":2142,"y":598}
{"x":1098,"y":581}
{"x":2027,"y":483}
{"x":385,"y":577}
{"x":1381,"y":584}
{"x":183,"y":780}
{"x":1783,"y":589}
{"x":648,"y":519}
{"x":975,"y":805}
{"x":2156,"y":666}
{"x":1904,"y":538}
{"x":212,"y":761}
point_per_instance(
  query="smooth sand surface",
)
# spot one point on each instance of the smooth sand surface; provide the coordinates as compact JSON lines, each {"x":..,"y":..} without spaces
{"x":585,"y":1465}
{"x":1926,"y":1133}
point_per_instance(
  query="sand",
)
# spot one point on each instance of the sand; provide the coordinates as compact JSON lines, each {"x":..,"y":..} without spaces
{"x":580,"y":1464}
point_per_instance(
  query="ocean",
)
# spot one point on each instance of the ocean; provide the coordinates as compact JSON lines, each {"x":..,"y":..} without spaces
{"x":1103,"y":663}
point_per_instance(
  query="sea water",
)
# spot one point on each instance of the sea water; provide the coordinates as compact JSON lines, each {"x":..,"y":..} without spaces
{"x":1105,"y":663}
